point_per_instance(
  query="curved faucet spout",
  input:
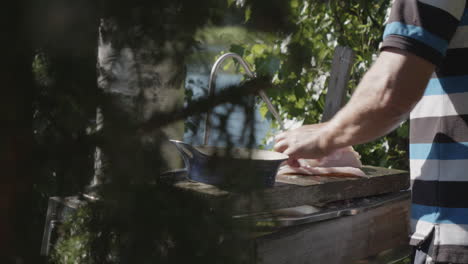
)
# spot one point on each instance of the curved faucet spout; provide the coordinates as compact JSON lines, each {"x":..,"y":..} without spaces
{"x":251,"y":74}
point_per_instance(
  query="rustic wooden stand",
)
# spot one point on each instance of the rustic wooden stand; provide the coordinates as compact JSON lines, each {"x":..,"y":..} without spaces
{"x":321,"y":219}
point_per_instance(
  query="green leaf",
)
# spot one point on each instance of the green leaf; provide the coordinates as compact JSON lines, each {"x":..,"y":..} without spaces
{"x":263,"y":110}
{"x":248,"y":13}
{"x":267,"y":66}
{"x":294,"y":4}
{"x":239,"y":49}
{"x":258,"y":49}
{"x":403,"y":131}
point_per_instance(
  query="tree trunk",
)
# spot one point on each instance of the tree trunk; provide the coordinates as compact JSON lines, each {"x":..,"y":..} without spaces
{"x":138,"y":81}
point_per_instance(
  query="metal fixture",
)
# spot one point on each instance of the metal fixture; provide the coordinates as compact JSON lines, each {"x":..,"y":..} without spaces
{"x":251,"y":74}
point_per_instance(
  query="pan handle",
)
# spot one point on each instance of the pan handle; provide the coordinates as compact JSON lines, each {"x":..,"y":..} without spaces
{"x":187,"y":151}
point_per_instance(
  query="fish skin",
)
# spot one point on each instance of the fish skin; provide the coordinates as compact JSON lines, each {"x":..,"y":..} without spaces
{"x":322,"y":171}
{"x":344,"y":162}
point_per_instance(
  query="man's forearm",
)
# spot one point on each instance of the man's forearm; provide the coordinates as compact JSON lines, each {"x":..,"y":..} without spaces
{"x":383,"y":99}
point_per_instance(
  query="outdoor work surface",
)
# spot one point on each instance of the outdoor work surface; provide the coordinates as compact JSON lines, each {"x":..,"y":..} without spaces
{"x":316,"y":219}
{"x":291,"y":191}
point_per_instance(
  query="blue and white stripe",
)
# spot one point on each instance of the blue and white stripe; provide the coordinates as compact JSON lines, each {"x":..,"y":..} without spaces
{"x":416,"y":33}
{"x":439,"y":146}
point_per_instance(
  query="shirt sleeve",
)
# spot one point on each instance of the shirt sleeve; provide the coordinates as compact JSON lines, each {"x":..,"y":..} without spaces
{"x":423,"y":27}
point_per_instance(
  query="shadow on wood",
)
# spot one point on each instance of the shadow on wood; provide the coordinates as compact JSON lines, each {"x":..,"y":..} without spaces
{"x":341,"y":240}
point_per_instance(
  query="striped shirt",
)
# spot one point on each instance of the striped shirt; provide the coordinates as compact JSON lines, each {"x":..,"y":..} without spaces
{"x":437,"y":30}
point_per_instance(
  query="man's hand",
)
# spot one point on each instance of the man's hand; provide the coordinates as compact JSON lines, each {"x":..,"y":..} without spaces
{"x":303,"y":142}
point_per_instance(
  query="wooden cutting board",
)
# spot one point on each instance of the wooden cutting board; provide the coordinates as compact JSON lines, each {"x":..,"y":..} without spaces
{"x":301,"y":190}
{"x":303,"y":180}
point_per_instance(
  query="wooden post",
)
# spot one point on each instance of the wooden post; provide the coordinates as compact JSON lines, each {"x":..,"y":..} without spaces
{"x":341,"y":69}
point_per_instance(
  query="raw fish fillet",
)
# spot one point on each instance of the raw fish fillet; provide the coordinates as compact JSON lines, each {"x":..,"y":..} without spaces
{"x":344,"y":162}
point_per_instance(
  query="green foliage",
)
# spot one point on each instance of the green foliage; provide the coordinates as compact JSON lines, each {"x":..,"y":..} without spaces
{"x":299,"y":62}
{"x":73,"y":249}
{"x":152,"y":224}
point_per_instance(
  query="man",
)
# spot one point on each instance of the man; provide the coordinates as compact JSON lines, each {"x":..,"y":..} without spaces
{"x":422,"y":68}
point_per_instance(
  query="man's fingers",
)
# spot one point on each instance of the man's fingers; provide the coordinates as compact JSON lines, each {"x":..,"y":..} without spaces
{"x":281,"y":146}
{"x":280,"y":136}
{"x":291,"y":151}
{"x":293,"y":162}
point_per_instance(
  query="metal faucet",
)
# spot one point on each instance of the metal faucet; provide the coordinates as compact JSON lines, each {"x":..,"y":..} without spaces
{"x":251,"y":74}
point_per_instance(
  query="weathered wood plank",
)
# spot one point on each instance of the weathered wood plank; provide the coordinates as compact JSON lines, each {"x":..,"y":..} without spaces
{"x":393,"y":255}
{"x":339,"y":76}
{"x":341,"y":240}
{"x":380,"y":181}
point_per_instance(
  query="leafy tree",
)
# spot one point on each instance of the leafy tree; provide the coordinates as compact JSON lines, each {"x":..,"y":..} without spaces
{"x":299,"y":63}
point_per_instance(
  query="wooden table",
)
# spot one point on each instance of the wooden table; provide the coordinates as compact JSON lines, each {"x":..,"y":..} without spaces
{"x":297,"y":190}
{"x":375,"y":220}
